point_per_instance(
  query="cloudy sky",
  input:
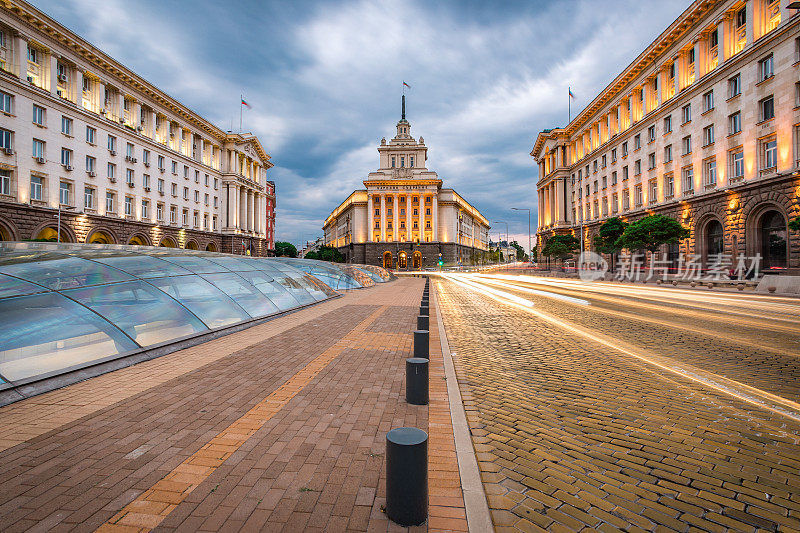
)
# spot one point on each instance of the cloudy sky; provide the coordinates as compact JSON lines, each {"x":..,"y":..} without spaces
{"x":324,"y":82}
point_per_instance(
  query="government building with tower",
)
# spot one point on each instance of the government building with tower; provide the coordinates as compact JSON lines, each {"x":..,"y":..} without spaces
{"x":403,"y":218}
{"x":703,"y":126}
{"x":90,"y":152}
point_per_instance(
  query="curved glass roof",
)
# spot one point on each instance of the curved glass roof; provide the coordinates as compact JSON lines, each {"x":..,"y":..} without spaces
{"x":338,"y":275}
{"x":67,"y":306}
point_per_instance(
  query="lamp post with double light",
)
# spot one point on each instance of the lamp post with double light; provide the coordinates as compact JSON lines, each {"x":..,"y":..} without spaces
{"x":530,"y":250}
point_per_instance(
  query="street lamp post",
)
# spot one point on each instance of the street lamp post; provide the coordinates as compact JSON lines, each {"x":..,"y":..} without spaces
{"x":530,"y":251}
{"x":507,"y":237}
{"x":58,"y":231}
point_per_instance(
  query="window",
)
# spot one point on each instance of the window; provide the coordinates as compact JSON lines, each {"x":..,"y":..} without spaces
{"x":38,"y":115}
{"x":112,"y":171}
{"x":5,"y":139}
{"x":206,"y":180}
{"x":195,"y":219}
{"x":160,"y":185}
{"x":197,"y":176}
{"x":88,"y":198}
{"x":185,"y":172}
{"x":765,"y":70}
{"x":145,"y":208}
{"x":173,"y":214}
{"x":688,"y":179}
{"x":741,"y":18}
{"x":66,"y":157}
{"x":625,"y":149}
{"x":146,"y":157}
{"x":686,"y":143}
{"x":652,"y":195}
{"x":668,"y":124}
{"x":5,"y":182}
{"x":393,"y":160}
{"x":186,"y":193}
{"x":637,"y":196}
{"x":626,"y":199}
{"x":614,"y":155}
{"x":686,"y":113}
{"x":112,"y":144}
{"x":197,"y":197}
{"x":129,"y":150}
{"x":216,"y":184}
{"x":668,"y":153}
{"x":33,"y":55}
{"x":735,"y":86}
{"x":185,"y":217}
{"x":66,"y":126}
{"x":735,"y":123}
{"x":411,"y":161}
{"x":129,"y":176}
{"x":38,"y":148}
{"x":651,"y":133}
{"x":161,"y":164}
{"x":37,"y":184}
{"x":651,"y":161}
{"x":737,"y":164}
{"x":769,"y":154}
{"x":614,"y":178}
{"x":669,"y":185}
{"x":5,"y":102}
{"x":402,"y":161}
{"x":595,"y":186}
{"x":637,"y":167}
{"x":605,"y":182}
{"x":91,"y":134}
{"x":614,"y":203}
{"x":710,"y":172}
{"x":603,"y":164}
{"x":146,"y":181}
{"x":708,"y":135}
{"x":637,"y":142}
{"x":159,"y":212}
{"x":64,"y":192}
{"x":91,"y":164}
{"x":215,"y":202}
{"x":205,"y":200}
{"x":128,"y":206}
{"x":175,"y":168}
{"x":110,"y":200}
{"x":767,"y":108}
{"x":594,"y":166}
{"x":708,"y":101}
{"x":624,"y":173}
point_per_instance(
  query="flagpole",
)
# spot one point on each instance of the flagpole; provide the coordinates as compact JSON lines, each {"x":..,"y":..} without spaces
{"x":241,"y":99}
{"x":569,"y":104}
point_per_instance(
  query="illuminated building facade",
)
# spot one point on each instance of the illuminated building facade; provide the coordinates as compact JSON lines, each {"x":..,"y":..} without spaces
{"x":403,"y":218}
{"x":122,"y":161}
{"x":703,"y":126}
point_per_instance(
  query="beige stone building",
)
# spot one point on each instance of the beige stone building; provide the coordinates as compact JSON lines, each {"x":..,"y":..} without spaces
{"x":120,"y":159}
{"x":404,"y":218}
{"x":703,"y":126}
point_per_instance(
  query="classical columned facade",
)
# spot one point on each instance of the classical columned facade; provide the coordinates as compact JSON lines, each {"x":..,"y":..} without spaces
{"x":122,"y":161}
{"x":404,"y":218}
{"x":704,"y":127}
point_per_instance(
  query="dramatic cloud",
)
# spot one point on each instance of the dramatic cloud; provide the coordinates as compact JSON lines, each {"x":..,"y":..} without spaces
{"x":324,"y":78}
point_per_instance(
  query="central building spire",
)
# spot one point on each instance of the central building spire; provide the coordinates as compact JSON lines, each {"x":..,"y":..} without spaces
{"x":403,"y":113}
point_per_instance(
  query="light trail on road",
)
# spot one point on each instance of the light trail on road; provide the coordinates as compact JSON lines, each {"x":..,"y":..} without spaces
{"x":753,"y":395}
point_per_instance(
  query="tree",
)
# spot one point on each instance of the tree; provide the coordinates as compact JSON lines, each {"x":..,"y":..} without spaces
{"x":794,"y":225}
{"x":535,"y":255}
{"x":561,"y":246}
{"x":650,"y":232}
{"x":328,"y":253}
{"x":609,"y":238}
{"x":285,"y":249}
{"x":521,"y":255}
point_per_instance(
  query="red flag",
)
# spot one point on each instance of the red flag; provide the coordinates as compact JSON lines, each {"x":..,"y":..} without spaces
{"x":407,"y":85}
{"x":245,"y":103}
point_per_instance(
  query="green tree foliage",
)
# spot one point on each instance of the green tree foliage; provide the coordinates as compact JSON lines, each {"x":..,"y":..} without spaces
{"x":561,"y":246}
{"x":650,"y":232}
{"x":609,"y":238}
{"x":521,"y":255}
{"x":326,"y":253}
{"x":285,"y":249}
{"x":794,"y":225}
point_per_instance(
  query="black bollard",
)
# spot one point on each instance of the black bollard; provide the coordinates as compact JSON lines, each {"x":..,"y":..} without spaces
{"x":422,"y":322}
{"x":417,"y":381}
{"x":407,"y":476}
{"x":421,"y":337}
{"x":424,"y":310}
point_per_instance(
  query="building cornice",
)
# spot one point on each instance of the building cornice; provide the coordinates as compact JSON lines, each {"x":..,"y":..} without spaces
{"x":34,"y":18}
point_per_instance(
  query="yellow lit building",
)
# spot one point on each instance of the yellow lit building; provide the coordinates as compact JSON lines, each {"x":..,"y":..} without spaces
{"x":703,"y":126}
{"x":403,"y":218}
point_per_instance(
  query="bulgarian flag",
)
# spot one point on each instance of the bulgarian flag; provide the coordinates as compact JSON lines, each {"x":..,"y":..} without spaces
{"x":245,"y":104}
{"x":406,"y":85}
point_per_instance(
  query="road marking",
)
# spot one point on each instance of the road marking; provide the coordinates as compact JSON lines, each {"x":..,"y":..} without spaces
{"x":736,"y":389}
{"x":155,"y":504}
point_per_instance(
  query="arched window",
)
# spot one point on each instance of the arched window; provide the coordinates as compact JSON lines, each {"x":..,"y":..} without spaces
{"x":772,"y":231}
{"x":714,"y":238}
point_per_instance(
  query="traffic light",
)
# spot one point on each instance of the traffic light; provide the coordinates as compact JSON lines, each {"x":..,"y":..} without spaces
{"x":440,"y":260}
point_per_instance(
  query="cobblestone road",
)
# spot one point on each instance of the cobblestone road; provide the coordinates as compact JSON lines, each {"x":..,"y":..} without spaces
{"x":573,"y":434}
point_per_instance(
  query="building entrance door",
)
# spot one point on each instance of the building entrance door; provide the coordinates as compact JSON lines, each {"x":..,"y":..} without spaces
{"x":417,"y":260}
{"x":387,"y":260}
{"x":402,"y":260}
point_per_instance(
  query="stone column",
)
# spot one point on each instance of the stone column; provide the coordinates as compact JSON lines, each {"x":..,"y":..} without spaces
{"x":698,"y":58}
{"x":370,"y":217}
{"x":250,"y":210}
{"x":233,"y":220}
{"x":751,"y":22}
{"x":396,"y":213}
{"x":560,"y":200}
{"x":786,"y":13}
{"x":21,"y":56}
{"x":435,"y":222}
{"x":242,"y":208}
{"x":77,"y":87}
{"x":722,"y":41}
{"x":421,"y":217}
{"x":53,"y":74}
{"x":383,"y":217}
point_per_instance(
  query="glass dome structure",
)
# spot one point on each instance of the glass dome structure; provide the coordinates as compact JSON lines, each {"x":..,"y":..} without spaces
{"x":65,"y":307}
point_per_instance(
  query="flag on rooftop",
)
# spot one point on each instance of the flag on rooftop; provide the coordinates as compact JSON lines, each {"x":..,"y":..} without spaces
{"x":571,"y":95}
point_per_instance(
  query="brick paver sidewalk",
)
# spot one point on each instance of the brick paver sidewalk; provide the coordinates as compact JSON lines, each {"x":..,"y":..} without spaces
{"x":278,"y":427}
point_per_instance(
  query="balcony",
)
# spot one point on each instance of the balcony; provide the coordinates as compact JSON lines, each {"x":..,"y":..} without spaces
{"x":739,"y":39}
